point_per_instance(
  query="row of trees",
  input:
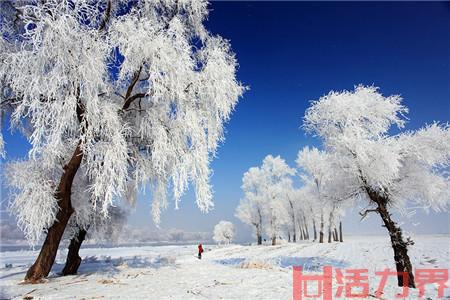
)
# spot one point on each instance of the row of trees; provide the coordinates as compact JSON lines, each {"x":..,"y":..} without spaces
{"x":112,"y":96}
{"x":273,"y":206}
{"x":362,"y":161}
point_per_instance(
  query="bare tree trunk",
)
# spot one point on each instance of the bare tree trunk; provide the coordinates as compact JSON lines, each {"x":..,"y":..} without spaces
{"x":315,"y":230}
{"x":306,"y":228}
{"x":274,"y":240}
{"x":300,"y":229}
{"x":341,"y":238}
{"x":258,"y":233}
{"x":46,"y":258}
{"x":329,"y":234}
{"x":259,"y":228}
{"x":399,"y":245}
{"x":335,"y":235}
{"x":294,"y":238}
{"x":321,"y":229}
{"x":73,"y":260}
{"x":330,"y":223}
{"x":289,"y":237}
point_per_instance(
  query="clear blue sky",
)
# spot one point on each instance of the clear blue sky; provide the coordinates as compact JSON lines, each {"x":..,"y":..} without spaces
{"x":293,"y":52}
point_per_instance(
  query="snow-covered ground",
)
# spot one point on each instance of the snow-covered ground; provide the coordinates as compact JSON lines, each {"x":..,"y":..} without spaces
{"x":231,"y":272}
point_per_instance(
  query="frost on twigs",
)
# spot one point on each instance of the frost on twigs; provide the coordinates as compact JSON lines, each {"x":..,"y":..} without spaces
{"x":32,"y":191}
{"x":323,"y":198}
{"x":144,"y":90}
{"x":410,"y":167}
{"x":268,"y":190}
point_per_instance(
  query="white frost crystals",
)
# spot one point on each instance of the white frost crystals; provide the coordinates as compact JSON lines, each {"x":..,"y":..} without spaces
{"x":268,"y":190}
{"x":32,"y":189}
{"x":410,"y":166}
{"x":144,"y":91}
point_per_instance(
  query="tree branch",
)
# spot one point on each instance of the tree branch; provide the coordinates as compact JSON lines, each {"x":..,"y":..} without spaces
{"x":131,"y":99}
{"x":128,"y":98}
{"x":134,"y":80}
{"x":80,"y":107}
{"x":106,"y":18}
{"x":363,"y":214}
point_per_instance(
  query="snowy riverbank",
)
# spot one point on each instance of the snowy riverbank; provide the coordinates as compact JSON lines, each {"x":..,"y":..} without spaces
{"x":232,"y":272}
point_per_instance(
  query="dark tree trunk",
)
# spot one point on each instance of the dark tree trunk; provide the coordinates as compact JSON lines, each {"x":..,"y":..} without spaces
{"x":259,"y":229}
{"x":274,"y":240}
{"x":329,"y":234}
{"x":315,"y":230}
{"x":399,"y":245}
{"x":289,"y":237}
{"x":294,"y":238}
{"x":341,"y":238}
{"x":300,"y":229}
{"x":73,"y":260}
{"x":330,"y":229}
{"x":46,"y":258}
{"x":335,"y":235}
{"x":321,"y":229}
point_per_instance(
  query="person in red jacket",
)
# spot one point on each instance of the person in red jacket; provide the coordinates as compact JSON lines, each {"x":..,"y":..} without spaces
{"x":200,"y":251}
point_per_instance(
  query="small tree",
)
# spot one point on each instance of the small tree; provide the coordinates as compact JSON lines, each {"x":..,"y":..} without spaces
{"x":224,"y":232}
{"x":386,"y":170}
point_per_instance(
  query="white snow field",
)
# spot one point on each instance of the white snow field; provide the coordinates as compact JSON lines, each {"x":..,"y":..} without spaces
{"x":230,"y":272}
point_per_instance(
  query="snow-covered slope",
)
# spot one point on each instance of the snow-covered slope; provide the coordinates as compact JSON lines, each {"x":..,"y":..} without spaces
{"x":232,"y":272}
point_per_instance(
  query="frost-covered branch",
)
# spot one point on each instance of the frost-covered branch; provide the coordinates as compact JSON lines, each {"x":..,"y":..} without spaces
{"x":66,"y":65}
{"x":364,"y":213}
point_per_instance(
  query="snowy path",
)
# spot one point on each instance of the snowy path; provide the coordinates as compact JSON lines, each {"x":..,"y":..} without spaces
{"x":233,"y":272}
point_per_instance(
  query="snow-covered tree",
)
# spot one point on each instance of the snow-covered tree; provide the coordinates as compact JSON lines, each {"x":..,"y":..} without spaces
{"x":267,"y":189}
{"x":250,"y":208}
{"x":387,"y":170}
{"x":128,"y":93}
{"x":224,"y":232}
{"x":303,"y":213}
{"x":294,"y":217}
{"x":250,"y":212}
{"x":276,"y":210}
{"x":309,"y":206}
{"x":317,"y":178}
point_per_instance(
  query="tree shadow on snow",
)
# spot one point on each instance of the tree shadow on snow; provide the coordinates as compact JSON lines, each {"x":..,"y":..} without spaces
{"x":11,"y":275}
{"x":313,"y":264}
{"x":230,"y":261}
{"x":106,"y":264}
